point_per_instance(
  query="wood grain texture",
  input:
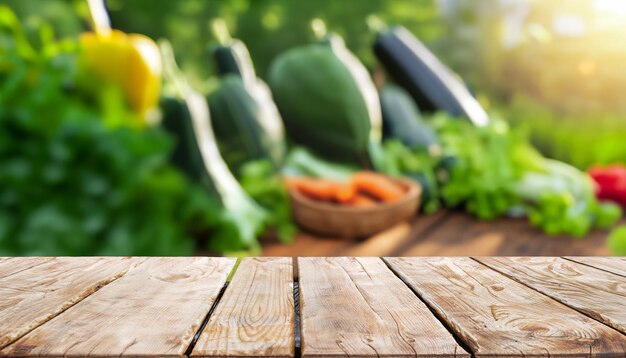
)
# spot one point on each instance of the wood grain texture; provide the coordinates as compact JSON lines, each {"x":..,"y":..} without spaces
{"x":358,"y":307}
{"x":255,"y":317}
{"x":12,"y":265}
{"x":305,"y":244}
{"x":396,"y":239}
{"x":392,"y":241}
{"x":155,"y":309}
{"x":496,"y":316}
{"x":616,"y":265}
{"x":463,"y":235}
{"x":448,"y":233}
{"x":43,"y":288}
{"x":596,"y":293}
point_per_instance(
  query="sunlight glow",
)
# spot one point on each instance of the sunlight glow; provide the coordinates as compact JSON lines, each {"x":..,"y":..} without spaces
{"x":615,"y":7}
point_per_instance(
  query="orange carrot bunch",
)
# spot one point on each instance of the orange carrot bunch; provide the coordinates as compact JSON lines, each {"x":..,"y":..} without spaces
{"x":364,"y":189}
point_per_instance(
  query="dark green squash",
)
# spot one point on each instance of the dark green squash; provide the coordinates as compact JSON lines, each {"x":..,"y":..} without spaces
{"x":186,"y":116}
{"x":327,"y":100}
{"x":244,"y":131}
{"x":246,"y":121}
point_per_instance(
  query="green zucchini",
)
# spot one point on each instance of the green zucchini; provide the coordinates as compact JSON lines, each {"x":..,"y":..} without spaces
{"x":233,"y":58}
{"x":327,"y":100}
{"x":245,"y":118}
{"x":244,"y":131}
{"x":187,"y":117}
{"x":402,"y":119}
{"x":429,"y":82}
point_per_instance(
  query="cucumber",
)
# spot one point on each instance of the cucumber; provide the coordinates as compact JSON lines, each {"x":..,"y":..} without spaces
{"x":402,"y":119}
{"x":426,"y":79}
{"x":327,"y":100}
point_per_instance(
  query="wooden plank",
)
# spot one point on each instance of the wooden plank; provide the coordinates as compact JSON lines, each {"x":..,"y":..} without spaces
{"x":392,"y":241}
{"x":155,"y":309}
{"x":496,"y":316}
{"x":12,"y":265}
{"x":306,"y":244}
{"x":358,"y":307}
{"x":42,"y":290}
{"x":396,"y":239}
{"x":596,"y":293}
{"x":255,"y":317}
{"x":616,"y":265}
{"x":463,"y":235}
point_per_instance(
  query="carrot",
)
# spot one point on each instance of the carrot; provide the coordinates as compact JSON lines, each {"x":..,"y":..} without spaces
{"x":346,"y":192}
{"x":321,"y":189}
{"x":361,"y":201}
{"x":378,"y":186}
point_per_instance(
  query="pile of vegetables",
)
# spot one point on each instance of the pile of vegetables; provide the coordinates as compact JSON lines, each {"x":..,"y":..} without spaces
{"x":76,"y":175}
{"x":87,"y":167}
{"x":480,"y":166}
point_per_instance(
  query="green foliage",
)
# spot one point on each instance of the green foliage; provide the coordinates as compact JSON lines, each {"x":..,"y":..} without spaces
{"x":268,"y":27}
{"x":617,"y":241}
{"x":486,"y":163}
{"x":261,"y":182}
{"x":301,"y":162}
{"x":495,"y":171}
{"x":73,"y":184}
{"x":394,"y":158}
{"x":580,"y":139}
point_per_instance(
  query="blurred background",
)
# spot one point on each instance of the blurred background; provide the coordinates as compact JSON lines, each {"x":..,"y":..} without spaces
{"x":96,"y":160}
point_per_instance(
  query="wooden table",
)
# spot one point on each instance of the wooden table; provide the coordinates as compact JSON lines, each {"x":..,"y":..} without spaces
{"x":313,"y":307}
{"x":448,"y":233}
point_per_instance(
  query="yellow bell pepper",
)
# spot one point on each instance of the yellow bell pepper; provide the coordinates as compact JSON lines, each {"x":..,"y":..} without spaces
{"x":130,"y":61}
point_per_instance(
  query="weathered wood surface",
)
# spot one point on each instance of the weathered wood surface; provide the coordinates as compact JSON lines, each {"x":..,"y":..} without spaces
{"x":496,"y":316}
{"x":596,"y":293}
{"x":255,"y":317}
{"x":358,"y":307}
{"x":448,"y":233}
{"x":38,"y":289}
{"x":616,"y":265}
{"x":154,"y":309}
{"x":364,"y":307}
{"x":12,"y":265}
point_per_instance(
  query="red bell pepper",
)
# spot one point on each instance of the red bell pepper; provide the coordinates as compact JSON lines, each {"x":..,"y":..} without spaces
{"x":610,"y":183}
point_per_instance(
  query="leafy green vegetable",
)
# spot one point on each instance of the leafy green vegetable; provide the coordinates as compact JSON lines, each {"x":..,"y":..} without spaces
{"x":617,"y":241}
{"x":561,"y":200}
{"x":301,"y":162}
{"x":261,"y":182}
{"x":74,"y":184}
{"x":495,"y":171}
{"x":487,"y":162}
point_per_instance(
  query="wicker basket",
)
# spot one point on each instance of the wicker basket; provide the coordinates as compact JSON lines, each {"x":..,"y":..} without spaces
{"x":349,"y":222}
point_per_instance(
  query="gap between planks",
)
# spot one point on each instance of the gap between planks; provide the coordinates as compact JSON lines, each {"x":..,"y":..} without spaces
{"x":297,"y":329}
{"x":458,"y":337}
{"x":296,"y":297}
{"x":547,"y":294}
{"x":450,"y":330}
{"x":582,"y":260}
{"x":206,"y":319}
{"x":95,"y":289}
